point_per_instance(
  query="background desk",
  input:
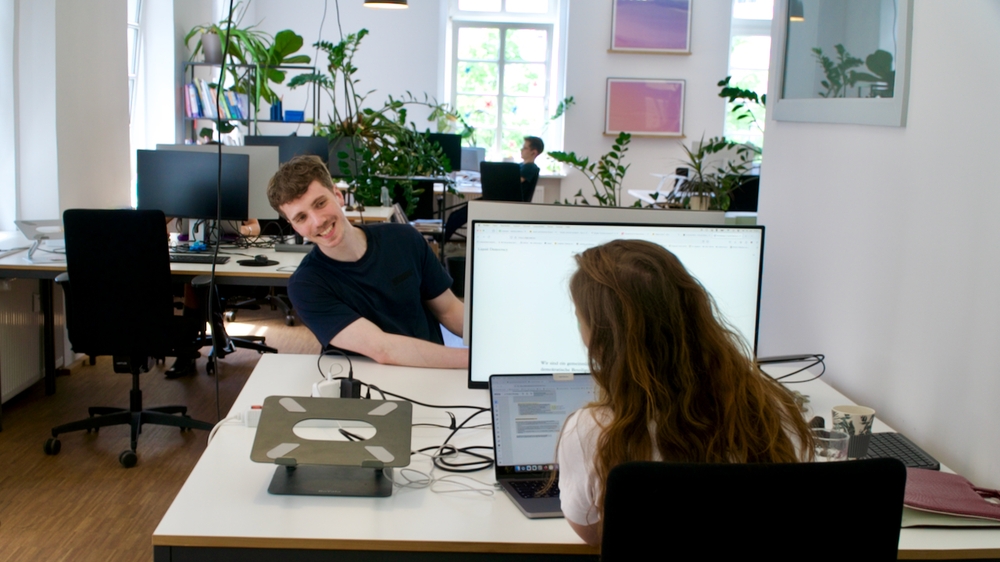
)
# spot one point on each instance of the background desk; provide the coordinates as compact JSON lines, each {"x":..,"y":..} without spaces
{"x":16,"y":266}
{"x":224,"y":508}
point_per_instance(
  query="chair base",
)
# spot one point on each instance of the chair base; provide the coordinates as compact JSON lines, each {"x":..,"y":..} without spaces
{"x":135,"y":417}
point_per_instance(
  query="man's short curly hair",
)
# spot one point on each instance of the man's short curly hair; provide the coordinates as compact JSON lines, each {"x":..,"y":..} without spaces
{"x":293,"y":179}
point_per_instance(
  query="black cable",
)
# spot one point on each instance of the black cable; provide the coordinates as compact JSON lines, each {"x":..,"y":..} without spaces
{"x":216,"y":341}
{"x":817,"y":359}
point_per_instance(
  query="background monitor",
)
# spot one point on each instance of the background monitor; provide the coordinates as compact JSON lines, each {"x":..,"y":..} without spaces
{"x":184,"y":184}
{"x":522,"y":317}
{"x":504,"y":211}
{"x":292,"y":146}
{"x":451,"y":144}
{"x":263,"y":165}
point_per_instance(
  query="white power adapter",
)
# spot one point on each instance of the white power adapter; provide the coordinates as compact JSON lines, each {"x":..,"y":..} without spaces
{"x":326,"y":389}
{"x":252,"y":416}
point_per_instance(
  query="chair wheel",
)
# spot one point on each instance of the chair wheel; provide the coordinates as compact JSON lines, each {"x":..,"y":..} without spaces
{"x":128,"y":458}
{"x":289,"y":320}
{"x":210,"y":366}
{"x":230,"y":315}
{"x":52,"y":446}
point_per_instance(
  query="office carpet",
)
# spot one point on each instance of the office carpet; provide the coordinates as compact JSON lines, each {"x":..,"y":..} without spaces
{"x":81,"y":504}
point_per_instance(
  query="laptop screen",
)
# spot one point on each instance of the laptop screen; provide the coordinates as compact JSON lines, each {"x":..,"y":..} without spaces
{"x":528,"y":415}
{"x":522,"y":319}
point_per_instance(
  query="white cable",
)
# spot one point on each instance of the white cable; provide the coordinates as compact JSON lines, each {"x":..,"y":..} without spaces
{"x":235,"y":417}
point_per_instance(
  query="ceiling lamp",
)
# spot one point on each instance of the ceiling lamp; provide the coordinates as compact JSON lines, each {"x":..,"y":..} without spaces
{"x":386,"y":4}
{"x":796,"y":11}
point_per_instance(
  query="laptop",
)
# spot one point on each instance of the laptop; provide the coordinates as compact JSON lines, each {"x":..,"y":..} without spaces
{"x":528,"y":416}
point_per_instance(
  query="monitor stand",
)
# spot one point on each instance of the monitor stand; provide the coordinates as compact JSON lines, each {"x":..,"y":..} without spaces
{"x":319,"y":480}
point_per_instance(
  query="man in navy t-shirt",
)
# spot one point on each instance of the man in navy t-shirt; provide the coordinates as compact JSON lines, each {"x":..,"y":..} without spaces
{"x":376,"y":290}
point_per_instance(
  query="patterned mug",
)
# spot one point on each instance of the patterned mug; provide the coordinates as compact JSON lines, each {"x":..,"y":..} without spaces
{"x":855,"y":421}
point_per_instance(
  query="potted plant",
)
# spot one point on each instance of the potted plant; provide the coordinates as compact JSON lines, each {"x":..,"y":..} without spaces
{"x":249,"y":49}
{"x":606,"y":174}
{"x":708,"y":188}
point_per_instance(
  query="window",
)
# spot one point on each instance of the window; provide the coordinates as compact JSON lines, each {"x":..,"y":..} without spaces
{"x":749,"y":58}
{"x":503,"y":72}
{"x":134,"y":7}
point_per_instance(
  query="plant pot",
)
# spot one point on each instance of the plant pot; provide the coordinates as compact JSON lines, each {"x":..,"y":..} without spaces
{"x":211,"y":45}
{"x":699,"y":202}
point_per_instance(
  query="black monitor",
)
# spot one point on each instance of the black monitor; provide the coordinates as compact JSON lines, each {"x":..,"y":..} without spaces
{"x":185,"y":184}
{"x":292,"y":146}
{"x":451,"y":144}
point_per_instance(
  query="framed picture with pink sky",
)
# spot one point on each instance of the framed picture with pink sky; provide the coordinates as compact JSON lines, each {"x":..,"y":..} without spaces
{"x":645,"y":107}
{"x":651,"y":26}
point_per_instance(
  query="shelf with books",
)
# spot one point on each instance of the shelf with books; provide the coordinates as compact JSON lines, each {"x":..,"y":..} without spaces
{"x":199,"y":98}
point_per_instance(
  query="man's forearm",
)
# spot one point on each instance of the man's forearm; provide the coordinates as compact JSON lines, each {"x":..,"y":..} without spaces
{"x":414,"y":352}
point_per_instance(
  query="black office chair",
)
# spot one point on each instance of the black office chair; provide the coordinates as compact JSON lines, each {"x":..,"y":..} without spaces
{"x":222,"y":343}
{"x":119,"y":302}
{"x":802,"y":511}
{"x":501,"y":181}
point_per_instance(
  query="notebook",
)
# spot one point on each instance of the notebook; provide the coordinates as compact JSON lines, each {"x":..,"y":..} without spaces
{"x":528,"y":415}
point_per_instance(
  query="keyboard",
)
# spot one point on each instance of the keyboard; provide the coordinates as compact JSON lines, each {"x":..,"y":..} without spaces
{"x":896,"y":446}
{"x":534,"y":488}
{"x":197,"y":258}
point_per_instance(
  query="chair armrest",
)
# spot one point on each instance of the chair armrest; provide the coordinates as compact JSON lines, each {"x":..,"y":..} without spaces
{"x":62,"y":278}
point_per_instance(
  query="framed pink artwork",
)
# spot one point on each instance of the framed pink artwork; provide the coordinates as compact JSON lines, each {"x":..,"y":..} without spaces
{"x":645,"y":107}
{"x":651,"y":26}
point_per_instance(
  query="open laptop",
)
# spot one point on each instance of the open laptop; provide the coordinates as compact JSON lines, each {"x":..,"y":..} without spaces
{"x":528,"y":416}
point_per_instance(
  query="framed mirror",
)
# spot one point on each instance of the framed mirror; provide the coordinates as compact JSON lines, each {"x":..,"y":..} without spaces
{"x":841,"y":61}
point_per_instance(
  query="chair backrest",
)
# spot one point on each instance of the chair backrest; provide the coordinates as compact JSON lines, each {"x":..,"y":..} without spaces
{"x":501,"y":181}
{"x":119,"y":300}
{"x":802,"y":511}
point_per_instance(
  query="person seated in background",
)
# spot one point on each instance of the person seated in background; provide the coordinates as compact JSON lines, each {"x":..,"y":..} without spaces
{"x":673,"y":383}
{"x":377,"y":290}
{"x":532,"y":148}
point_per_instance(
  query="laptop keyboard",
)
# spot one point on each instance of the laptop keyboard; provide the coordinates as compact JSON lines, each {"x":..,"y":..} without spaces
{"x":896,"y":446}
{"x":534,"y":488}
{"x":197,"y":258}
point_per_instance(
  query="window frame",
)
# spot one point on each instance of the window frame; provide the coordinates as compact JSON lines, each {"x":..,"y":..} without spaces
{"x":501,"y":61}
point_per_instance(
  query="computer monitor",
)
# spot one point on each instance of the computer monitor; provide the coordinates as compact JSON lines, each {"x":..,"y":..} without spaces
{"x":184,"y":184}
{"x":451,"y":144}
{"x":263,"y":165}
{"x":292,"y":146}
{"x":522,"y":319}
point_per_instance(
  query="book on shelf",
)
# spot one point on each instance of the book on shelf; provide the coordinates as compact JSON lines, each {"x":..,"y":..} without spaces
{"x":200,"y":102}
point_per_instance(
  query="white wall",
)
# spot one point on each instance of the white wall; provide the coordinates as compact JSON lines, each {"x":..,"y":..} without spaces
{"x":589,"y":65}
{"x":8,"y":179}
{"x":883,"y":252}
{"x":92,"y":104}
{"x":35,"y":77}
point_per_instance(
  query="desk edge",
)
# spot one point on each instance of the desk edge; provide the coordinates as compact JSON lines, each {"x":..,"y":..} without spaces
{"x":388,"y":545}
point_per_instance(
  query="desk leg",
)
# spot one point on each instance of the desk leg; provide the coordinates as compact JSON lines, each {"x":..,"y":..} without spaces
{"x":48,"y":334}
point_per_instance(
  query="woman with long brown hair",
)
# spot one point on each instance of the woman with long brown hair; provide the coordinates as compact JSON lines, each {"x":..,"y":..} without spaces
{"x":674,"y":383}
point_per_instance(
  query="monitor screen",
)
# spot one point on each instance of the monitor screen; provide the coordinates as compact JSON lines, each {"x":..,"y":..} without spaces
{"x":451,"y":145}
{"x":263,"y":166}
{"x":521,"y":317}
{"x":185,"y":184}
{"x":292,"y":146}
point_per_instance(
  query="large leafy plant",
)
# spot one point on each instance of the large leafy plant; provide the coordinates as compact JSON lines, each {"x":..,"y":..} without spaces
{"x":378,"y":146}
{"x":251,"y":47}
{"x":605,"y":175}
{"x":840,"y":74}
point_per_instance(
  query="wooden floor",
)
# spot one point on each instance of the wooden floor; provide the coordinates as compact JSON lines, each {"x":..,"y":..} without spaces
{"x":81,"y":504}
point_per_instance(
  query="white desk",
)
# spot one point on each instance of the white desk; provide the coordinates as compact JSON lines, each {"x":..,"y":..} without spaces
{"x":225,"y":502}
{"x":225,"y":506}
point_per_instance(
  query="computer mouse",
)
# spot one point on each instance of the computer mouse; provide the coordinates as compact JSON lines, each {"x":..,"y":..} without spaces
{"x":261,"y":258}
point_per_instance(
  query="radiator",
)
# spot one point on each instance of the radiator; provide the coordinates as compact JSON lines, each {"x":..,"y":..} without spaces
{"x":20,"y":336}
